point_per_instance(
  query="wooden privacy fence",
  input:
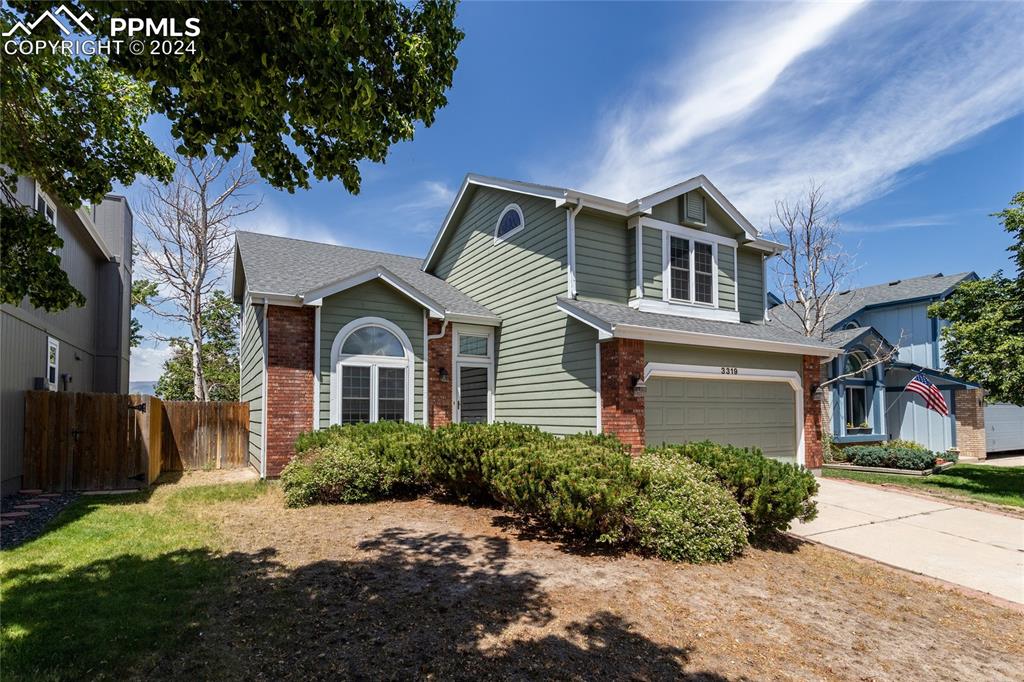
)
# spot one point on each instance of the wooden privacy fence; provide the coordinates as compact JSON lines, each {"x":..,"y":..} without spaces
{"x":204,"y":435}
{"x":106,"y":441}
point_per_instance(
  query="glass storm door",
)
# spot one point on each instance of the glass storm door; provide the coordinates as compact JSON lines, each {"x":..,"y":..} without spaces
{"x":472,"y":394}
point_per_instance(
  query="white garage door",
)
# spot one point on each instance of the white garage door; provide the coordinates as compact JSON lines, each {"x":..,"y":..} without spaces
{"x":1004,"y":427}
{"x":758,"y":414}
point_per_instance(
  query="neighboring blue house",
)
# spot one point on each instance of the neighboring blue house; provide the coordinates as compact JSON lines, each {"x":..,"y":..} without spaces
{"x":874,"y":406}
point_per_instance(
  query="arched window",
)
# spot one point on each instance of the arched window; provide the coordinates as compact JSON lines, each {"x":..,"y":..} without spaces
{"x":371,"y":373}
{"x":855,"y":362}
{"x":510,"y":221}
{"x":852,"y":324}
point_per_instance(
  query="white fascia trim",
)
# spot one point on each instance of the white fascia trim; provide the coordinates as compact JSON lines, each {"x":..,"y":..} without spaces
{"x":687,"y":232}
{"x":604,"y":331}
{"x":719,"y":341}
{"x":486,"y":320}
{"x":290,"y":300}
{"x":795,"y":381}
{"x":316,"y":368}
{"x":698,"y":182}
{"x":767,"y":245}
{"x":436,"y":310}
{"x":560,"y":195}
{"x":678,"y":309}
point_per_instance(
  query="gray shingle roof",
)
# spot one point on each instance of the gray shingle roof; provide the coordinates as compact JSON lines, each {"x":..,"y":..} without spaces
{"x":614,"y":314}
{"x":853,"y":301}
{"x":292,"y":267}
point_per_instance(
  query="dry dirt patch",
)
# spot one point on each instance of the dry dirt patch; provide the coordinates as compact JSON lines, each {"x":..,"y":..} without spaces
{"x":427,"y":590}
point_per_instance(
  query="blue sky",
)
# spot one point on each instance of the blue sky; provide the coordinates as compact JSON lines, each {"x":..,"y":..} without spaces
{"x":911,"y":115}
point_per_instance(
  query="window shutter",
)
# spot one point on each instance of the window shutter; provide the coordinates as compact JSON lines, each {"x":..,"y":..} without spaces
{"x":695,"y":207}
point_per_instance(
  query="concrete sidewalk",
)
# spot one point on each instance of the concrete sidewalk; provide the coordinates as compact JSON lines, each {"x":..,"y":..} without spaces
{"x":976,"y":549}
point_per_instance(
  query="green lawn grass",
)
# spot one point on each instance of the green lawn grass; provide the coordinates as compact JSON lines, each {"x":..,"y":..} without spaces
{"x":114,"y":581}
{"x":999,"y":485}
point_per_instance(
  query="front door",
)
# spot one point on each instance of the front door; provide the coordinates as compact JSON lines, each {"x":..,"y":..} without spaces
{"x":471,"y":393}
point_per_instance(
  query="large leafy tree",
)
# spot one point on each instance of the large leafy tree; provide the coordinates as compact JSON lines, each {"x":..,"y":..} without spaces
{"x":984,"y":341}
{"x":220,"y":356}
{"x":313,"y":88}
{"x":29,"y":264}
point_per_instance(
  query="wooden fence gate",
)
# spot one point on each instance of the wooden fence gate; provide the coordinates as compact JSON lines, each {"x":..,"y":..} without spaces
{"x":83,"y":441}
{"x":106,"y":441}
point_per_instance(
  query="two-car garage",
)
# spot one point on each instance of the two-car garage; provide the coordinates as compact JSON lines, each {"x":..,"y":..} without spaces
{"x":758,"y":414}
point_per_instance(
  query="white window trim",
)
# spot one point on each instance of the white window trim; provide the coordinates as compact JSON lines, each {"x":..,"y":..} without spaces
{"x":666,"y":266}
{"x":522,"y":223}
{"x":50,"y":204}
{"x":338,"y":361}
{"x":795,"y":381}
{"x":472,"y":361}
{"x":55,"y":344}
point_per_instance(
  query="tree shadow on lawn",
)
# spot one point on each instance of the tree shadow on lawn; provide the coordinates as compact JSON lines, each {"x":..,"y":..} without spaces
{"x":412,"y":605}
{"x":984,"y":480}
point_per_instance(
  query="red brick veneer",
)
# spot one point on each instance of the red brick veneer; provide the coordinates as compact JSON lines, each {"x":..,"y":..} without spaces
{"x":813,"y":453}
{"x":622,"y":413}
{"x":289,"y":409}
{"x":439,"y":355}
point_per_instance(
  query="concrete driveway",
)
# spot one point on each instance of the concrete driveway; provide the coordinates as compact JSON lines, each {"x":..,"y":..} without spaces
{"x":976,"y":549}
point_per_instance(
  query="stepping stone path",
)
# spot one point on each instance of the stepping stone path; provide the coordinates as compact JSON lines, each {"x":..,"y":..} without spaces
{"x":26,"y":515}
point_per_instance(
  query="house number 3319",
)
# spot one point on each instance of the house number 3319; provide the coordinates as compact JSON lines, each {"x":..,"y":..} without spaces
{"x":730,"y":370}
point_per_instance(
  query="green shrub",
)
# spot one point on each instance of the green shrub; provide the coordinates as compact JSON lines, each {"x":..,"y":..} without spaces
{"x":580,"y":484}
{"x":453,"y":458}
{"x":950,"y":456}
{"x":356,"y":463}
{"x":899,"y":443}
{"x":682,"y":513}
{"x":891,"y":457}
{"x":770,"y":493}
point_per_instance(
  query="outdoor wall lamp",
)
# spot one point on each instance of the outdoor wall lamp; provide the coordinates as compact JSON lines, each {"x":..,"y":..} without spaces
{"x":443,"y":373}
{"x":639,"y":387}
{"x":816,"y":392}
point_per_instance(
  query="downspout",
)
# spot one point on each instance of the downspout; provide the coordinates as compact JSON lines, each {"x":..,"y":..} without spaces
{"x":570,"y":232}
{"x":427,"y":338}
{"x":266,"y":380}
{"x":764,"y":285}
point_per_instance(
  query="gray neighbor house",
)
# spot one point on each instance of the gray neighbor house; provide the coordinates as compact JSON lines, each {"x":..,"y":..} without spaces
{"x":538,"y":305}
{"x":78,"y":349}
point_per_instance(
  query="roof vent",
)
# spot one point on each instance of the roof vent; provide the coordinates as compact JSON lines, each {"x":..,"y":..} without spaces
{"x":844,"y":293}
{"x":938,"y":274}
{"x":894,"y":282}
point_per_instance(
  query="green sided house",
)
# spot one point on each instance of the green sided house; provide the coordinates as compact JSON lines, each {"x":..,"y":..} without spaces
{"x":538,"y":305}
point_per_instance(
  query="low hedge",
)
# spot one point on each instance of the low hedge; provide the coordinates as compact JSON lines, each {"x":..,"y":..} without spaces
{"x":770,"y":493}
{"x":683,"y":514}
{"x":890,"y":457}
{"x":583,"y":485}
{"x":674,"y":502}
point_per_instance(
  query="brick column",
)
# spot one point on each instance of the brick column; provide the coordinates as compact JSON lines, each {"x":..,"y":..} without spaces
{"x":813,"y":455}
{"x":439,"y":355}
{"x":622,"y":413}
{"x":970,"y":422}
{"x":289,"y":409}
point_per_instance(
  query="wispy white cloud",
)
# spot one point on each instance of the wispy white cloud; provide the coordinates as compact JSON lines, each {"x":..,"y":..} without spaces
{"x":146,"y":362}
{"x":850,"y":96}
{"x":270,"y":219}
{"x":936,"y":220}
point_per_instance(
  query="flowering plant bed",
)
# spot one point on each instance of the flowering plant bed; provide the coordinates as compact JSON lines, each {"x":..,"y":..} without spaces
{"x":939,"y":467}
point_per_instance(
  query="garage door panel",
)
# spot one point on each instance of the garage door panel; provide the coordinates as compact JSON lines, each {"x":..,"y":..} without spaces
{"x":741,"y":413}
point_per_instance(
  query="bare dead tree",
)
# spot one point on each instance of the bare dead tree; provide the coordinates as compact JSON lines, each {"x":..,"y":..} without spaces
{"x":815,"y":270}
{"x":189,"y":224}
{"x":815,"y":267}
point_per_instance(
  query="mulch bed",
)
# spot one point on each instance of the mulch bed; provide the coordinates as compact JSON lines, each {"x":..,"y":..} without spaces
{"x":27,"y":513}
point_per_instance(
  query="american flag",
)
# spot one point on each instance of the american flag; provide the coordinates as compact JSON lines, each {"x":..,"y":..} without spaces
{"x":932,"y":396}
